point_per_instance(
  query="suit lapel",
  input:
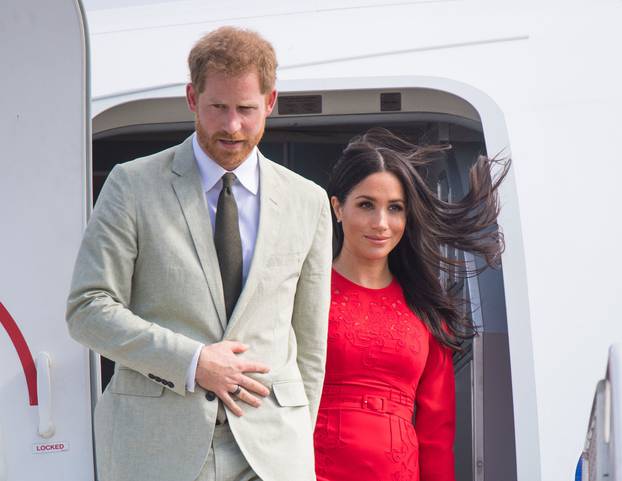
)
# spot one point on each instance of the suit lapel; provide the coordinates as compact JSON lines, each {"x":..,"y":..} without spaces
{"x":189,"y":192}
{"x":269,"y":199}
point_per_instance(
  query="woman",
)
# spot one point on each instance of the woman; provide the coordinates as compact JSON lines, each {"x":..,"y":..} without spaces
{"x":393,"y":326}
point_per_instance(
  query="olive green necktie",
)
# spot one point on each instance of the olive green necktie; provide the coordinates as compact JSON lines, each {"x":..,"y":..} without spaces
{"x":228,"y":243}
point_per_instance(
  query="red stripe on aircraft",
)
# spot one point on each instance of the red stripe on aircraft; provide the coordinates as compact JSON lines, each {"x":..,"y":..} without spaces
{"x":23,"y":351}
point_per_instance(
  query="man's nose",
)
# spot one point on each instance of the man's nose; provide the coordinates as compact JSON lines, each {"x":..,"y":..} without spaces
{"x":232,"y":122}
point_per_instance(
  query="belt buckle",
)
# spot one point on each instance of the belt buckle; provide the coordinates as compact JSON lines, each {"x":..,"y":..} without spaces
{"x":374,"y":403}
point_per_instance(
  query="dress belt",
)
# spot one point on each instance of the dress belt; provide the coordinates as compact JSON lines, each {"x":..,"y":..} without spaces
{"x":376,"y":400}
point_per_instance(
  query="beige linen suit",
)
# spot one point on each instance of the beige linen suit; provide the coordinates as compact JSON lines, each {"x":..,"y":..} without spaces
{"x":147,"y":290}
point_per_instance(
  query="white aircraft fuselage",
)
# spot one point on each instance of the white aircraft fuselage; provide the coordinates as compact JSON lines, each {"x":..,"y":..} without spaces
{"x":535,"y":81}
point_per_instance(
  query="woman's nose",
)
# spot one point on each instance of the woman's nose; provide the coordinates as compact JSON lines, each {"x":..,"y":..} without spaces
{"x":380,"y":220}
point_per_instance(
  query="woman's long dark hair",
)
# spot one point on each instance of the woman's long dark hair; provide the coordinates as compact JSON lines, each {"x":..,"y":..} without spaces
{"x":469,"y":225}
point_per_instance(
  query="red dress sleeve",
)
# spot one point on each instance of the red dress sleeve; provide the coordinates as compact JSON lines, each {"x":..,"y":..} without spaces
{"x":435,"y":417}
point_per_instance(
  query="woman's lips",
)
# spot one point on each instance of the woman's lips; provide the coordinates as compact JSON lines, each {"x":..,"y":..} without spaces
{"x":378,"y":240}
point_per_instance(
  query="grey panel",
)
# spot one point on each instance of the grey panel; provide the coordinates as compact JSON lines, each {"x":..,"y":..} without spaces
{"x":493,"y":301}
{"x":464,"y":422}
{"x":499,"y":444}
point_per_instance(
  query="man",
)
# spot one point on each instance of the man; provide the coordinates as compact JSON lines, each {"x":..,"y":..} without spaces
{"x":204,"y":273}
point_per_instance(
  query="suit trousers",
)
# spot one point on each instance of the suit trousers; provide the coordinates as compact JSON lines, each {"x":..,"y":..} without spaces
{"x":225,"y":461}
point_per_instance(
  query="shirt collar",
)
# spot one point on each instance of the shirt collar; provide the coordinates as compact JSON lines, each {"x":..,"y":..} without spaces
{"x":211,"y":173}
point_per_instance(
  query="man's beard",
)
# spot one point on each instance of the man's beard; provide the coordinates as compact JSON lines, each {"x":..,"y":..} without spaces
{"x":226,"y":159}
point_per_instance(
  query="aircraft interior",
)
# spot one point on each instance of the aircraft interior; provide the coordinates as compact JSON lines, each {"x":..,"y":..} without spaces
{"x":310,"y":145}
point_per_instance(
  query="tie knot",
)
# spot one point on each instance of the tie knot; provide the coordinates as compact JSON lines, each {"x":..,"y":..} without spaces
{"x":228,"y":179}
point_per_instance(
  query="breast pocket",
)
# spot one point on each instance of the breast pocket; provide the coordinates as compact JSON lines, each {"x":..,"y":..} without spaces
{"x":285,"y":259}
{"x":282,"y":273}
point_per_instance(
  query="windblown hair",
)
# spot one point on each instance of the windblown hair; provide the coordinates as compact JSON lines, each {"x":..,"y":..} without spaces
{"x":468,"y":224}
{"x":233,"y":51}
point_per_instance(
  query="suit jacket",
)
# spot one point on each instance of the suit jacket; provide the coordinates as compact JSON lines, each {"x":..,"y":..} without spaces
{"x":147,"y":290}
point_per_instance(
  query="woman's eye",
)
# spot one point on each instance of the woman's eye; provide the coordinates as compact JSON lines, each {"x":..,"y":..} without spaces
{"x":366,"y":205}
{"x":396,"y":208}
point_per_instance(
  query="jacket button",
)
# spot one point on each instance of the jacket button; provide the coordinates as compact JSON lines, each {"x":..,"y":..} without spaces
{"x":151,"y":376}
{"x":210,"y":396}
{"x":158,"y":379}
{"x":170,"y":384}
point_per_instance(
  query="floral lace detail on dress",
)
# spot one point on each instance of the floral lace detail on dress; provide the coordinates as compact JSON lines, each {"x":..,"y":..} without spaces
{"x":383,"y":325}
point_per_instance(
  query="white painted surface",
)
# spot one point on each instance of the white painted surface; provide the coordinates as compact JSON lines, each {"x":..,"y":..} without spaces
{"x":614,"y":376}
{"x":43,"y":133}
{"x":3,"y":475}
{"x":549,"y":76}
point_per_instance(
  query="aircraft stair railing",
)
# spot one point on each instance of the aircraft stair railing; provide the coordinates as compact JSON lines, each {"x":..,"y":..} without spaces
{"x":601,"y":459}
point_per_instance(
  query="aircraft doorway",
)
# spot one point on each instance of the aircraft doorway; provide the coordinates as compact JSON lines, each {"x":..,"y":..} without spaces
{"x":485,"y":446}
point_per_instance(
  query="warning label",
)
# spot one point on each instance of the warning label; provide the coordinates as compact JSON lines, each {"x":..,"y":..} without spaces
{"x":50,"y":448}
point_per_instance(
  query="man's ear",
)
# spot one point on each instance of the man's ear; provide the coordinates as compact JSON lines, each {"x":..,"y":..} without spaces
{"x":270,"y":101}
{"x":192,"y":97}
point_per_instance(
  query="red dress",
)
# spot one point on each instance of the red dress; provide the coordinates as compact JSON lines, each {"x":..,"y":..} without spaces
{"x":382,"y":362}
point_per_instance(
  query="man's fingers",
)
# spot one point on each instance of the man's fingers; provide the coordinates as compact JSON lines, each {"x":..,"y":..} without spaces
{"x":248,"y":366}
{"x":236,"y":347}
{"x":230,"y":403}
{"x":253,"y":386}
{"x":248,"y":398}
{"x":229,"y":399}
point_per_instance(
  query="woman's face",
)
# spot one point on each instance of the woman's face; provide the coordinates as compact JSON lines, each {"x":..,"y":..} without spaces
{"x":373,"y":216}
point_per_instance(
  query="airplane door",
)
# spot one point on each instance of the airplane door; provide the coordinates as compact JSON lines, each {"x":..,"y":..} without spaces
{"x":45,"y":399}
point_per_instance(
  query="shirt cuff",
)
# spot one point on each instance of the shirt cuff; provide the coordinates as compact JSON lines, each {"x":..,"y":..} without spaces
{"x":192,"y":370}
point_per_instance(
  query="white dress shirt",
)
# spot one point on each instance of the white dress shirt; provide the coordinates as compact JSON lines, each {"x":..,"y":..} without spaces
{"x":246,"y":193}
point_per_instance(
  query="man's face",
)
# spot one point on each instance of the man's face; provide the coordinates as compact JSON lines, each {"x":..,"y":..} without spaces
{"x":230,"y":115}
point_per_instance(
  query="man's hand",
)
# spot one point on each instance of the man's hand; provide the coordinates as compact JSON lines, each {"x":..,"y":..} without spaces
{"x":219,"y":370}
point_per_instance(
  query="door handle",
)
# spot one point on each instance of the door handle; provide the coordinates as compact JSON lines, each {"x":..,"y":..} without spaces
{"x":44,"y":392}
